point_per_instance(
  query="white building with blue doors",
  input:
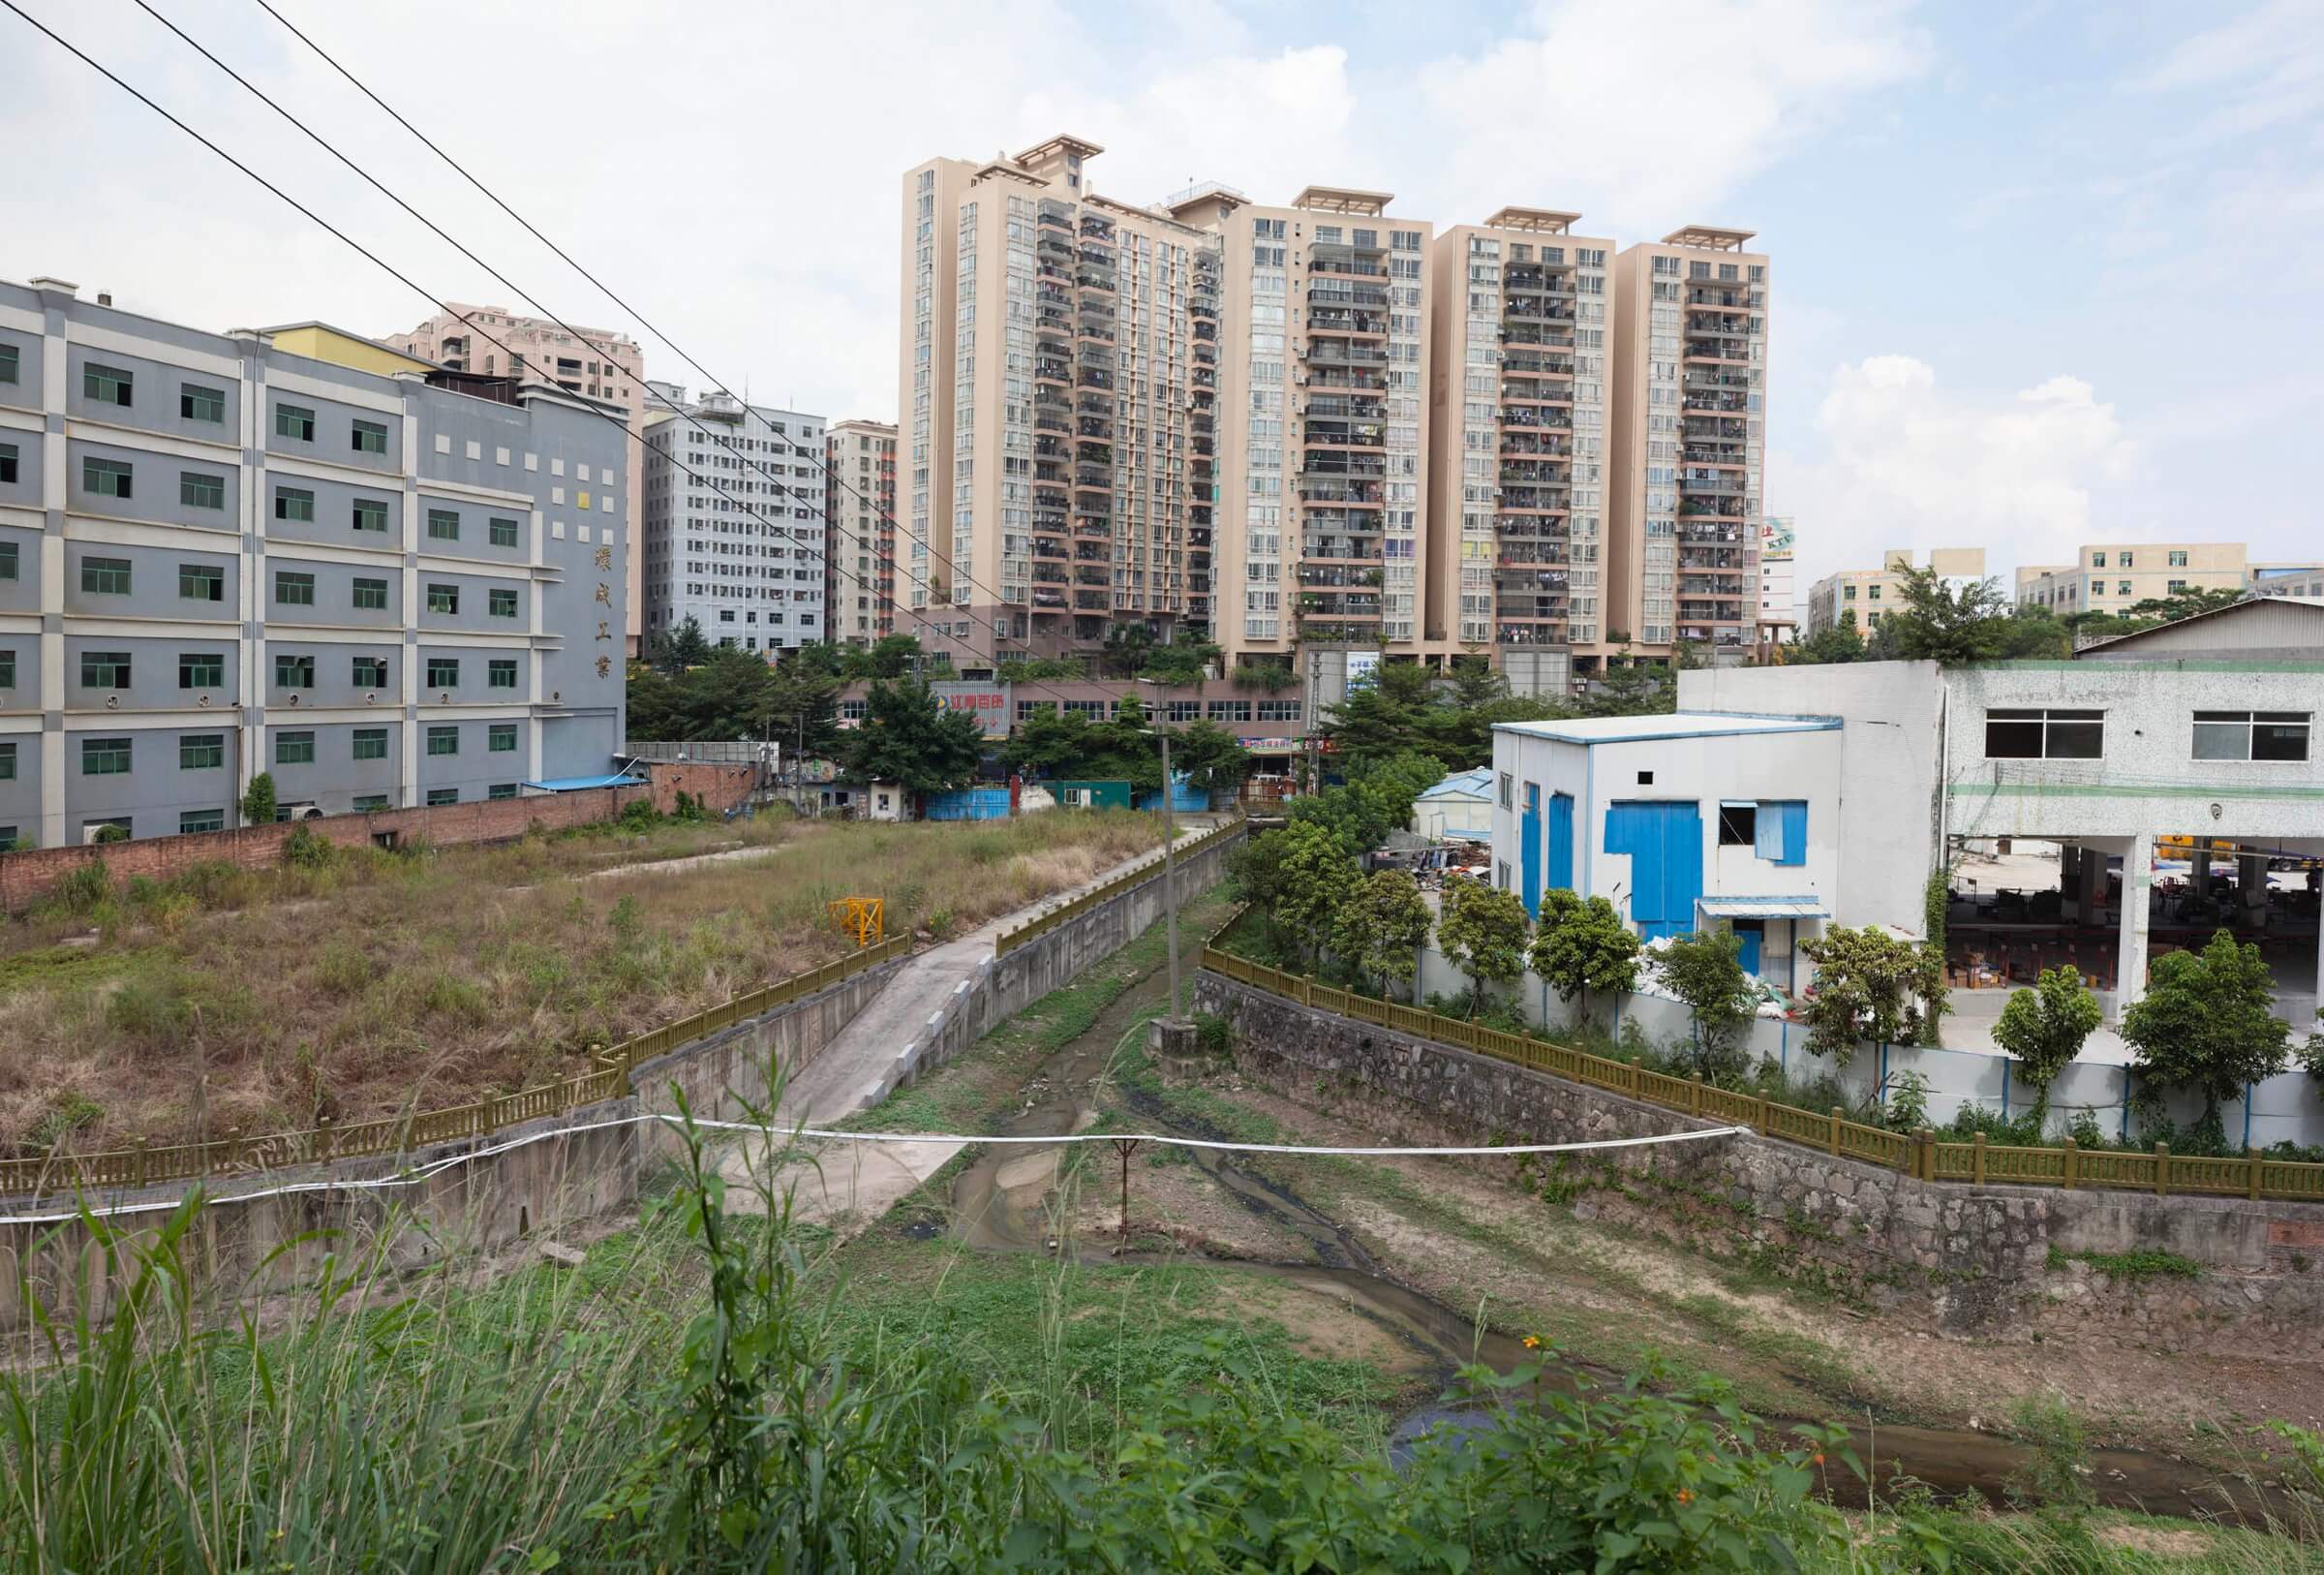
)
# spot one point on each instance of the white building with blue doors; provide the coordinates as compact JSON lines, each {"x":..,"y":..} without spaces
{"x":1683,"y":822}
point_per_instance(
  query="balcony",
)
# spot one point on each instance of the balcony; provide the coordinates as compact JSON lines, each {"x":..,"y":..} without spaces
{"x":1710,"y":535}
{"x":1535,"y":499}
{"x":1347,"y":352}
{"x":1535,"y":333}
{"x":1699,"y":401}
{"x":1333,"y":293}
{"x":1542,"y":634}
{"x":1719,"y":351}
{"x":1533,"y":363}
{"x":1324,"y":263}
{"x":1330,"y":319}
{"x":1338,"y":576}
{"x":1322,"y":434}
{"x":1341,"y":491}
{"x":1528,"y":418}
{"x":1051,"y":369}
{"x":1531,"y":445}
{"x":1345,"y":544}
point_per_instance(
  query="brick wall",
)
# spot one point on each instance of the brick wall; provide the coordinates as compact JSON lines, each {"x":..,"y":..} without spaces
{"x":719,"y":786}
{"x":26,"y":878}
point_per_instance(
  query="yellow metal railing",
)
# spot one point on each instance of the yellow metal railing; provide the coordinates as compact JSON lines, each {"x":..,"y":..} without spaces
{"x":238,"y":1156}
{"x":1914,"y":1154}
{"x":1041,"y":924}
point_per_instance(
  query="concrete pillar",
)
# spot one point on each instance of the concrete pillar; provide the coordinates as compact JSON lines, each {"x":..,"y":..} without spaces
{"x":2199,"y":871}
{"x":2138,"y":882}
{"x":2069,"y":883}
{"x":2252,"y":880}
{"x":2094,"y":886}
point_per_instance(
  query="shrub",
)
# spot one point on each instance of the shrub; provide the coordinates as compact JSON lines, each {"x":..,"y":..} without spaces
{"x":2044,"y":1027}
{"x":110,"y":833}
{"x":83,"y":888}
{"x":1704,"y":971}
{"x":1214,"y":1033}
{"x":2056,"y":1468}
{"x":258,"y":800}
{"x":305,"y":851}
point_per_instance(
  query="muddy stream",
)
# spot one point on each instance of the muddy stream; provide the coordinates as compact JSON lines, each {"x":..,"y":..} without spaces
{"x":999,"y":1205}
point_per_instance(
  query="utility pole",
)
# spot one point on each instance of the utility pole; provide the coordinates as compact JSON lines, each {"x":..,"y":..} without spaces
{"x":1170,"y":879}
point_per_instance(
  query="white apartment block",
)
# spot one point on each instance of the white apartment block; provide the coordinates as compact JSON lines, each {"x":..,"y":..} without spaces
{"x":734,"y":521}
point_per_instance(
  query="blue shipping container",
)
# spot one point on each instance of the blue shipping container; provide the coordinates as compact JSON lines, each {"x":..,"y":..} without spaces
{"x":967,"y":804}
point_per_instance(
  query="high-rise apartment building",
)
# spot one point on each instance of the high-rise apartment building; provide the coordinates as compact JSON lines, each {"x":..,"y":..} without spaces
{"x":384,"y":584}
{"x":734,"y":521}
{"x":597,"y":363}
{"x":1518,"y":455}
{"x":1320,"y":426}
{"x":859,"y":546}
{"x":1689,"y":436}
{"x":1058,"y":376}
{"x":1321,"y":506}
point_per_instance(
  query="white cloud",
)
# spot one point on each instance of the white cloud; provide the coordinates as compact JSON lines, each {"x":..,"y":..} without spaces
{"x":1602,"y":104}
{"x":2260,"y":71}
{"x":1908,"y":464}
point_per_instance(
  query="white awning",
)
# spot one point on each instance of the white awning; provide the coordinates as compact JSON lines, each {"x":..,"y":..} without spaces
{"x":1762,"y":907}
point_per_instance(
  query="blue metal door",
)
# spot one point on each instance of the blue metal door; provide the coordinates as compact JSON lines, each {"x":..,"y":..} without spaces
{"x":1561,"y":841}
{"x":1664,"y":845}
{"x":1749,"y":932}
{"x":1529,"y":851}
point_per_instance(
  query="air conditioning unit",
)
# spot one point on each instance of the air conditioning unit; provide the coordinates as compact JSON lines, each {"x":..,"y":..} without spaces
{"x":94,"y":832}
{"x":307,"y":811}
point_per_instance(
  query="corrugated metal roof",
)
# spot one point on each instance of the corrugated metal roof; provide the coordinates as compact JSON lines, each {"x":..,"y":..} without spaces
{"x":574,"y":785}
{"x":2263,"y":624}
{"x":1476,"y":784}
{"x":1675,"y":724}
{"x":1765,"y":907}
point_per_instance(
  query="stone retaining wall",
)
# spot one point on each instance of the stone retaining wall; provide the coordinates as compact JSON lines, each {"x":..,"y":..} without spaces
{"x":1971,"y":1260}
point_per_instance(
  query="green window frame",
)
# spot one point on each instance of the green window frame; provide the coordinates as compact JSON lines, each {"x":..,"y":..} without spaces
{"x":201,"y":583}
{"x":201,"y":751}
{"x":201,"y":669}
{"x":371,"y":744}
{"x":370,"y":595}
{"x":369,"y":672}
{"x":294,"y":670}
{"x":9,"y":361}
{"x":501,"y":603}
{"x":104,"y":478}
{"x":295,"y":421}
{"x":501,"y":673}
{"x":105,"y":756}
{"x":293,"y":588}
{"x":370,"y":514}
{"x":8,"y":666}
{"x":444,"y":599}
{"x":443,"y":795}
{"x":294,"y":748}
{"x":7,"y":761}
{"x":502,"y":532}
{"x":106,"y":384}
{"x":8,"y":464}
{"x":7,"y":560}
{"x":190,"y":823}
{"x":196,"y":490}
{"x":444,"y":672}
{"x":501,"y":789}
{"x":195,"y":403}
{"x":501,"y":738}
{"x":104,"y":577}
{"x":444,"y":740}
{"x":443,"y":525}
{"x":105,"y":669}
{"x":368,"y":438}
{"x":370,"y":803}
{"x":294,"y":504}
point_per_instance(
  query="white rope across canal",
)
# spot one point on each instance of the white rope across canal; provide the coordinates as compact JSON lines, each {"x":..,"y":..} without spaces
{"x":418,"y":1174}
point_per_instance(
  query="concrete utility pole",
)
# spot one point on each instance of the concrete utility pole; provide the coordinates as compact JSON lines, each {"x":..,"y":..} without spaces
{"x":1170,"y":878}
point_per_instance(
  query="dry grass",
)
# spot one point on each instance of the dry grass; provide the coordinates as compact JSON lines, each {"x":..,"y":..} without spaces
{"x":259,"y":1000}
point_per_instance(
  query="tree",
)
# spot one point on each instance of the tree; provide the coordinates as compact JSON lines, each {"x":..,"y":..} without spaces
{"x":1869,"y":985}
{"x":1210,"y":756}
{"x":801,"y":705}
{"x":258,"y":800}
{"x":1583,"y":946}
{"x":1704,"y":971}
{"x":1376,"y":800}
{"x":677,"y":649}
{"x":1381,"y":927}
{"x":1631,"y":687}
{"x":2044,"y":1027}
{"x":1187,"y":662}
{"x":1482,"y":932}
{"x":1477,"y":682}
{"x":908,"y":737}
{"x":1839,"y":643}
{"x":1945,"y":621}
{"x":1314,"y":877}
{"x":2207,"y":1022}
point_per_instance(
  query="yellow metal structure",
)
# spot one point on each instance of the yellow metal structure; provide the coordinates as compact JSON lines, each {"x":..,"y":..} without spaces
{"x":866,"y":919}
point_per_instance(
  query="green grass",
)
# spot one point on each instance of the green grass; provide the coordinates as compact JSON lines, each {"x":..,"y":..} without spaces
{"x":2145,"y":1263}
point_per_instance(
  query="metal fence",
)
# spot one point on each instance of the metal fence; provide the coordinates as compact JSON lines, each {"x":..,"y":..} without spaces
{"x":1919,"y":1153}
{"x":1010,"y":939}
{"x":236,"y":1155}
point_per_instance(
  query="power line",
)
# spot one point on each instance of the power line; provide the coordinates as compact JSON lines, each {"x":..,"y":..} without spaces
{"x":821,"y":553}
{"x":593,"y":408}
{"x":831,"y":476}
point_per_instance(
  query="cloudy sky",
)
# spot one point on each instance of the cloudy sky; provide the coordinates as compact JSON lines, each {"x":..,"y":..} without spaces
{"x":2044,"y":272}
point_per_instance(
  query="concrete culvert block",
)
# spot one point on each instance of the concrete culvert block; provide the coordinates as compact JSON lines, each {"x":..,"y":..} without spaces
{"x":562,"y":1255}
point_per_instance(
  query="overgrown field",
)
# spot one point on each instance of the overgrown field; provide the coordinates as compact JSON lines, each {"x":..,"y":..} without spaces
{"x":358,"y":985}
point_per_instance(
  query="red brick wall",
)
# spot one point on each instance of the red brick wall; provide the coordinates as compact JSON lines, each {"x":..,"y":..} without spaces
{"x":27,"y":877}
{"x":720,"y":788}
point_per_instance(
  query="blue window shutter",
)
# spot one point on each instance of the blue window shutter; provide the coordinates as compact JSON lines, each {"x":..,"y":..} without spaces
{"x":1794,"y":818}
{"x":1767,"y":841}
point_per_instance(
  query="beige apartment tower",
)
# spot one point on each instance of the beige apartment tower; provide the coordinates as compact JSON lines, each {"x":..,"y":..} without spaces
{"x":1058,"y":373}
{"x":597,"y":363}
{"x":859,"y":545}
{"x":1517,"y":409}
{"x":1687,"y":444}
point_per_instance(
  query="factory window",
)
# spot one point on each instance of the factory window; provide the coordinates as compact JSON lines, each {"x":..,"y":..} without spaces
{"x":2251,"y":735}
{"x":2038,"y":734}
{"x":295,"y":421}
{"x":1739,"y":825}
{"x":370,"y":438}
{"x":201,"y":751}
{"x":294,"y":748}
{"x":106,"y":385}
{"x":370,"y":595}
{"x":195,"y":403}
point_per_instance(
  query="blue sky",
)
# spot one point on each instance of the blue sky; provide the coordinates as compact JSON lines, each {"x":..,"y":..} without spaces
{"x":2037,"y":269}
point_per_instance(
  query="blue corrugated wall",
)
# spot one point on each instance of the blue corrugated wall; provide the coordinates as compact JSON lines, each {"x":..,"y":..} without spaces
{"x":1664,"y":845}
